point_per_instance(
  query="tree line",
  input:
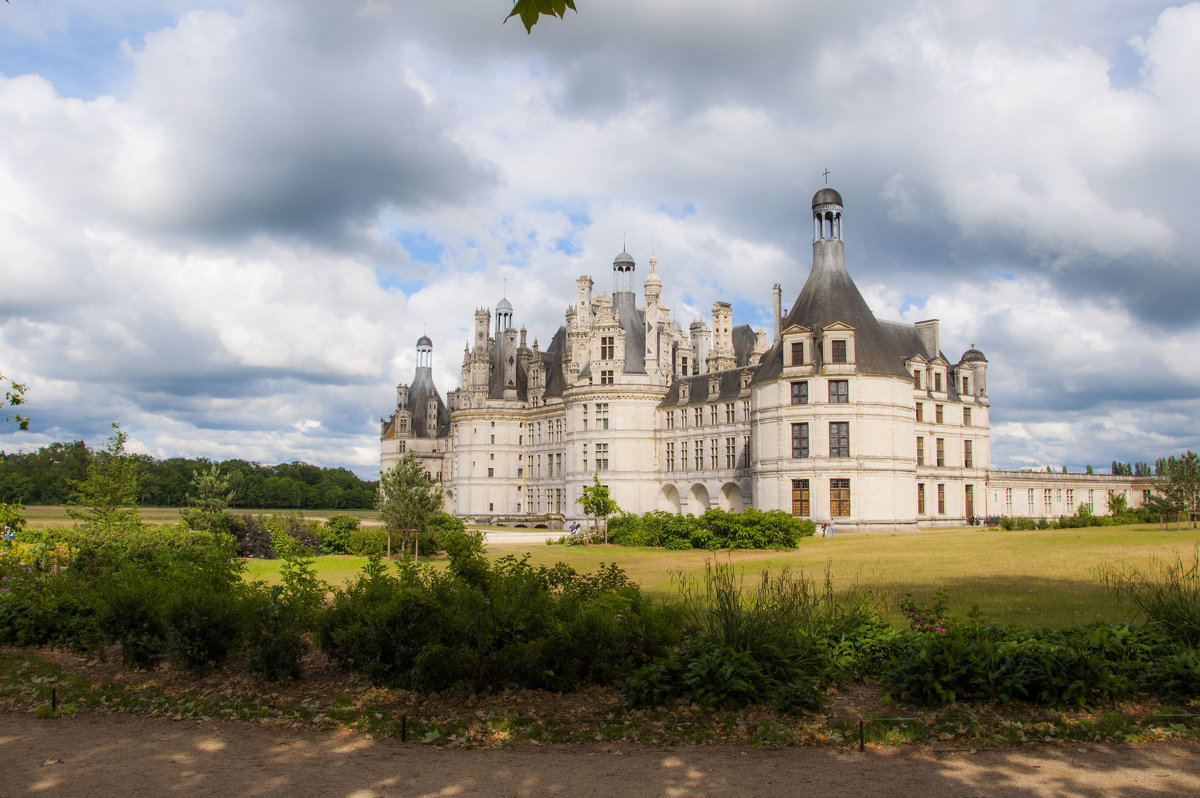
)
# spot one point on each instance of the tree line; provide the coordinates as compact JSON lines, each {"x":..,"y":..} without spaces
{"x":49,"y":475}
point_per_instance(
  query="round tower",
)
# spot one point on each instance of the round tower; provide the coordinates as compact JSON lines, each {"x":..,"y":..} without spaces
{"x":424,"y":352}
{"x":623,"y":268}
{"x":827,"y":215}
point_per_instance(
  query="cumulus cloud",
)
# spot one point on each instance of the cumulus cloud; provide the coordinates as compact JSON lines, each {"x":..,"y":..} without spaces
{"x":226,"y":225}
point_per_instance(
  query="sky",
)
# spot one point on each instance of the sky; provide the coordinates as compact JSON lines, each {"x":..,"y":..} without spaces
{"x":224,"y":225}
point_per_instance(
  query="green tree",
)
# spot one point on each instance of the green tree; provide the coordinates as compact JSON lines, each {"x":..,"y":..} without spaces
{"x":106,"y":499}
{"x":208,"y":498}
{"x":1180,"y":484}
{"x":408,"y":502}
{"x":530,"y":10}
{"x":597,"y":503}
{"x":14,"y":395}
{"x":1117,"y":503}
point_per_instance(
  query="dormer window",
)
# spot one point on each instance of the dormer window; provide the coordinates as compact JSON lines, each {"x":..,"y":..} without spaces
{"x":837,"y":351}
{"x":966,"y":386}
{"x":797,"y":353}
{"x":606,"y":347}
{"x":917,"y":379}
{"x":937,"y":381}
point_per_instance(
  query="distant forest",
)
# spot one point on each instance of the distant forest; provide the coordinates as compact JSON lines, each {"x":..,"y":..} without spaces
{"x":48,"y":475}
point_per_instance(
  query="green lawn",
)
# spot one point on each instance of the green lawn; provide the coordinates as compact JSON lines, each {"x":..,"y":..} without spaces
{"x":1034,"y":578}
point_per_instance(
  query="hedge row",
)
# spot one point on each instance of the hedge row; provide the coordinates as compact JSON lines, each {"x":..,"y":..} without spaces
{"x":715,"y":529}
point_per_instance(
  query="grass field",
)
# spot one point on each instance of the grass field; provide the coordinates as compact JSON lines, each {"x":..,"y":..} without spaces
{"x":1045,"y":578}
{"x":1032,"y":578}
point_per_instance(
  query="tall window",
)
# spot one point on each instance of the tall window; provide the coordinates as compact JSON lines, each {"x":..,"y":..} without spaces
{"x":839,"y":392}
{"x":940,"y":443}
{"x":839,"y":439}
{"x":601,"y":456}
{"x":920,"y":498}
{"x":585,"y":458}
{"x":699,"y":452}
{"x":400,"y":446}
{"x":606,"y":347}
{"x":801,"y":499}
{"x":937,"y":414}
{"x":937,"y":381}
{"x":917,"y":379}
{"x":800,"y":393}
{"x":797,"y":353}
{"x":968,"y":455}
{"x":670,"y":419}
{"x":800,"y":440}
{"x":683,"y":367}
{"x":941,"y":499}
{"x":839,"y":498}
{"x":746,"y":410}
{"x":712,"y":415}
{"x":698,"y":415}
{"x":966,"y":389}
{"x":920,"y":450}
{"x":606,"y":377}
{"x":683,"y":461}
{"x":602,"y":416}
{"x":837,"y":351}
{"x":969,"y":499}
{"x":731,"y":452}
{"x":682,"y":419}
{"x":920,"y":411}
{"x":714,"y":455}
{"x":966,"y":416}
{"x":729,"y":413}
{"x":670,"y":456}
{"x":1008,"y":501}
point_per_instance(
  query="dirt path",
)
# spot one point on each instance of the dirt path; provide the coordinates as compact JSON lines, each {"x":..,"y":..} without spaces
{"x":93,"y":754}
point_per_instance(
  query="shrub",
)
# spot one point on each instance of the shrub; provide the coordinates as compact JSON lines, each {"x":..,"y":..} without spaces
{"x":367,"y":541}
{"x":252,"y":536}
{"x":336,"y":532}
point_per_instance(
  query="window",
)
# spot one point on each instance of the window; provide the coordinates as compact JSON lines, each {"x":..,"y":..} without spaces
{"x":670,"y":456}
{"x":920,"y":450}
{"x":968,"y":455}
{"x":837,"y":351}
{"x":606,"y":377}
{"x":1008,"y":501}
{"x":682,"y":419}
{"x":713,"y":455}
{"x":839,"y":439}
{"x":920,"y":498}
{"x":400,"y":446}
{"x":745,"y":411}
{"x":920,"y":411}
{"x":558,"y":463}
{"x":1030,"y":500}
{"x":1046,"y":502}
{"x":606,"y":347}
{"x":730,"y":417}
{"x":601,"y":456}
{"x":917,"y":379}
{"x":797,"y":353}
{"x":800,"y":440}
{"x":801,"y":498}
{"x":698,"y":450}
{"x":966,"y":416}
{"x":602,"y":416}
{"x":941,"y":499}
{"x":683,"y":367}
{"x":670,"y":419}
{"x":839,"y":392}
{"x":1071,"y":500}
{"x":969,"y":497}
{"x":585,"y":421}
{"x":712,"y":415}
{"x":746,"y":449}
{"x":800,"y":393}
{"x":491,"y":472}
{"x":697,"y":416}
{"x":839,"y":498}
{"x":966,"y":389}
{"x":683,"y":461}
{"x":492,"y":439}
{"x":731,"y":452}
{"x":937,"y":414}
{"x":937,"y":381}
{"x":404,"y":425}
{"x":940,"y":444}
{"x":585,"y":458}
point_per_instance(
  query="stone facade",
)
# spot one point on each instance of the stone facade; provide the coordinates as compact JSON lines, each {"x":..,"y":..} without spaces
{"x":834,"y":415}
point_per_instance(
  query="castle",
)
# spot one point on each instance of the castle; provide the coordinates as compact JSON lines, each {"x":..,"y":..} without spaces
{"x":835,"y":416}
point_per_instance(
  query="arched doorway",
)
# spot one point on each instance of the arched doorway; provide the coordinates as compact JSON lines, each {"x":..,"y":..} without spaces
{"x":668,"y":500}
{"x":698,"y":502}
{"x":731,"y":498}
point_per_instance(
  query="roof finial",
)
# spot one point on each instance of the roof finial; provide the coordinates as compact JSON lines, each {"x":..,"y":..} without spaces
{"x":826,"y":173}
